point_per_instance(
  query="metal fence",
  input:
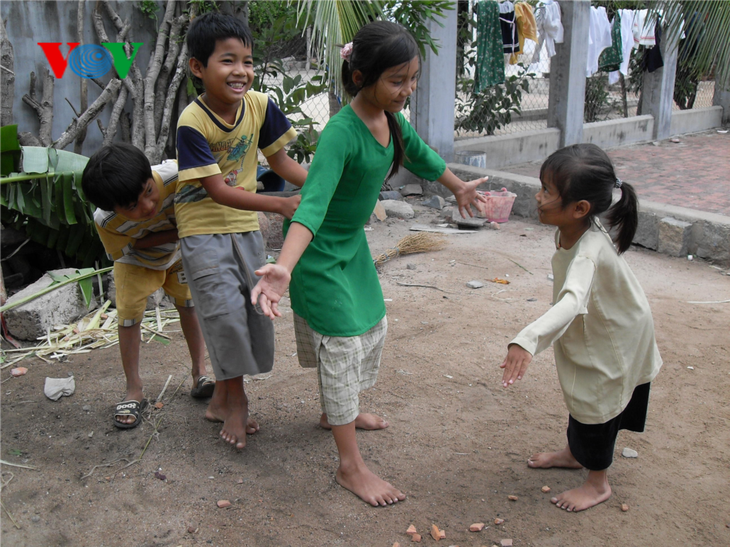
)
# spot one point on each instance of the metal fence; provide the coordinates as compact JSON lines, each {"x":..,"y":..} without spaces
{"x":602,"y":101}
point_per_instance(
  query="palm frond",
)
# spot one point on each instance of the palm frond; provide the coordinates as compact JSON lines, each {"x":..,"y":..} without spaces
{"x":704,"y":26}
{"x":334,"y":23}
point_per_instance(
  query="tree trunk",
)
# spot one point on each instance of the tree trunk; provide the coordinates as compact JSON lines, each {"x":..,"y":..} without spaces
{"x":7,"y":78}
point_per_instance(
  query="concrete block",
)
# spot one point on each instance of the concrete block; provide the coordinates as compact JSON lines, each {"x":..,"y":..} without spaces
{"x":411,"y":190}
{"x":60,"y":307}
{"x":711,"y":241}
{"x":474,"y":158}
{"x":647,"y":232}
{"x":390,"y":194}
{"x":674,"y":236}
{"x":467,"y":223}
{"x":435,"y":202}
{"x":398,"y":209}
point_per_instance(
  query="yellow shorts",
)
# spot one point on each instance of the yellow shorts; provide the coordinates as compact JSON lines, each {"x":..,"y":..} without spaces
{"x":136,"y":283}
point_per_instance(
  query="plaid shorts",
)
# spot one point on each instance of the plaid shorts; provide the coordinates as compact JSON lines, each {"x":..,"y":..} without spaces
{"x":346,"y":365}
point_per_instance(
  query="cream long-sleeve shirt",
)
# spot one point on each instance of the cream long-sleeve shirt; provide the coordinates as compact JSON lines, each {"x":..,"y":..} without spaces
{"x":601,"y":327}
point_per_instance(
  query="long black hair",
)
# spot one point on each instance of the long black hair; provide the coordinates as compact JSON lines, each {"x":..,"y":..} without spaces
{"x":585,"y":172}
{"x":376,"y":47}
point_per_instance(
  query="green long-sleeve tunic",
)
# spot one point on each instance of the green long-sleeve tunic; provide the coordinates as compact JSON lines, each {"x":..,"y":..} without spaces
{"x":335,"y":285}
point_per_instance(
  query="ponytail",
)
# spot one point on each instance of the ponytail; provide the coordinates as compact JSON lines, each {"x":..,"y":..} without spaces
{"x":624,"y":216}
{"x":396,"y":134}
{"x":376,"y":47}
{"x":585,"y":172}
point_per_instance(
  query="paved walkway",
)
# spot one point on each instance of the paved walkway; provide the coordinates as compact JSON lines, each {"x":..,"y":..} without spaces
{"x":692,"y":173}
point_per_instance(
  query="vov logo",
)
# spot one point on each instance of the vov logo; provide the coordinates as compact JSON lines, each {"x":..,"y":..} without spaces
{"x":90,"y":61}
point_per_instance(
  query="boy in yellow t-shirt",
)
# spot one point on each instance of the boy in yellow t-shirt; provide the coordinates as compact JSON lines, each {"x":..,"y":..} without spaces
{"x":216,"y":203}
{"x":136,"y":223}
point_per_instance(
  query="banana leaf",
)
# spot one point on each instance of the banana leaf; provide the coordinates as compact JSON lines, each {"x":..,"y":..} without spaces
{"x":44,"y":200}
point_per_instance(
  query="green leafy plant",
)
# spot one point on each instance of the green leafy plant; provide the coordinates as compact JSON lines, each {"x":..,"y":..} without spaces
{"x":44,"y":200}
{"x":290,"y":92}
{"x":149,"y":8}
{"x":597,"y":99}
{"x":493,"y":107}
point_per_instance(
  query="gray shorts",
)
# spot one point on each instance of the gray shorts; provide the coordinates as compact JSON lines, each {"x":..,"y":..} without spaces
{"x":346,"y":365}
{"x":220,"y":271}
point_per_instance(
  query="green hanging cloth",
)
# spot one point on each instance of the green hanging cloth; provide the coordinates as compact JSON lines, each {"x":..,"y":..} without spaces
{"x":611,"y":57}
{"x":490,"y":55}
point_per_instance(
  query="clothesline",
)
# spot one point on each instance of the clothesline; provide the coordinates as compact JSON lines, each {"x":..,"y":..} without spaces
{"x":502,"y":28}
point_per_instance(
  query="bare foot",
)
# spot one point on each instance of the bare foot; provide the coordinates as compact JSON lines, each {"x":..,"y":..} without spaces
{"x":370,"y":422}
{"x":217,"y":415}
{"x":561,"y":458}
{"x":369,"y":487}
{"x":234,"y":430}
{"x":594,"y":491}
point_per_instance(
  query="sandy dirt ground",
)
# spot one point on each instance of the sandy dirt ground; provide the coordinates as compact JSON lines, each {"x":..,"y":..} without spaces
{"x":457,"y":444}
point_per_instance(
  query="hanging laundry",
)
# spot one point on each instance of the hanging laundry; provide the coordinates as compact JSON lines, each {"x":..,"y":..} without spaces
{"x":627,"y":44}
{"x":599,"y":38}
{"x":653,"y":56}
{"x":549,"y":28}
{"x":510,"y":38}
{"x":611,"y":57}
{"x":526,"y":27}
{"x":643,"y":28}
{"x":490,"y":58}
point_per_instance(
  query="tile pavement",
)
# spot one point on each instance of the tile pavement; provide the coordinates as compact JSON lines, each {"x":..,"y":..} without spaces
{"x":692,"y":173}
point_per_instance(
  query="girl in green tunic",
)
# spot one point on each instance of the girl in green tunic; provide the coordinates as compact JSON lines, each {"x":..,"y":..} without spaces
{"x":340,"y":321}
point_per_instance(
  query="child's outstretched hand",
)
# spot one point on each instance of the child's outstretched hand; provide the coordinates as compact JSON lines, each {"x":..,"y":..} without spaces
{"x":270,"y":288}
{"x":515,"y":364}
{"x":289,"y":205}
{"x":468,"y":194}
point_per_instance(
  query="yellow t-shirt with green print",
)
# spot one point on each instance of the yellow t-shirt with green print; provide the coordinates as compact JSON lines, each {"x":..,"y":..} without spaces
{"x":207,"y":145}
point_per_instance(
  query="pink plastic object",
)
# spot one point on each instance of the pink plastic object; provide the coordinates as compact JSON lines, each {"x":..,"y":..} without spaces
{"x":498,"y":205}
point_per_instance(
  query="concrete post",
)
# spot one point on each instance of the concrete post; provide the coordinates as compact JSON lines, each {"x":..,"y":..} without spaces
{"x":568,"y":73}
{"x":432,"y":105}
{"x":658,"y":91}
{"x":722,"y":98}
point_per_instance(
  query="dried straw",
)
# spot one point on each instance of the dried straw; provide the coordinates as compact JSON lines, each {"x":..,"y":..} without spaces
{"x":413,"y":243}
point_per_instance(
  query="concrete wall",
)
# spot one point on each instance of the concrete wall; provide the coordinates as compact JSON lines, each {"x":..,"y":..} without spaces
{"x":28,"y":23}
{"x":505,"y":150}
{"x":614,"y":133}
{"x":697,"y":119}
{"x":667,"y":229}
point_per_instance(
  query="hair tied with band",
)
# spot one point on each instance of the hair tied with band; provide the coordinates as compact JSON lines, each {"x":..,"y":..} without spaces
{"x":346,"y":51}
{"x":618,"y":183}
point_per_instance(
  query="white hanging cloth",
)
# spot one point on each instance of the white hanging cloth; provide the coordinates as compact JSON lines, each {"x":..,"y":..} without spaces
{"x":627,"y":44}
{"x":549,"y":28}
{"x":643,"y":28}
{"x":599,"y":38}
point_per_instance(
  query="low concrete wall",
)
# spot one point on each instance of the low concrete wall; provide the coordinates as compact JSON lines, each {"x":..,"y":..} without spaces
{"x":676,"y":231}
{"x":505,"y":150}
{"x":697,"y":119}
{"x":614,"y":133}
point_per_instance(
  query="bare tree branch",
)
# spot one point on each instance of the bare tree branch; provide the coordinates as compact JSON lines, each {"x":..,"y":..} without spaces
{"x":84,"y":91}
{"x":170,"y":102}
{"x":44,"y":109}
{"x":153,"y":70}
{"x":115,"y":116}
{"x":7,"y":78}
{"x":88,"y":116}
